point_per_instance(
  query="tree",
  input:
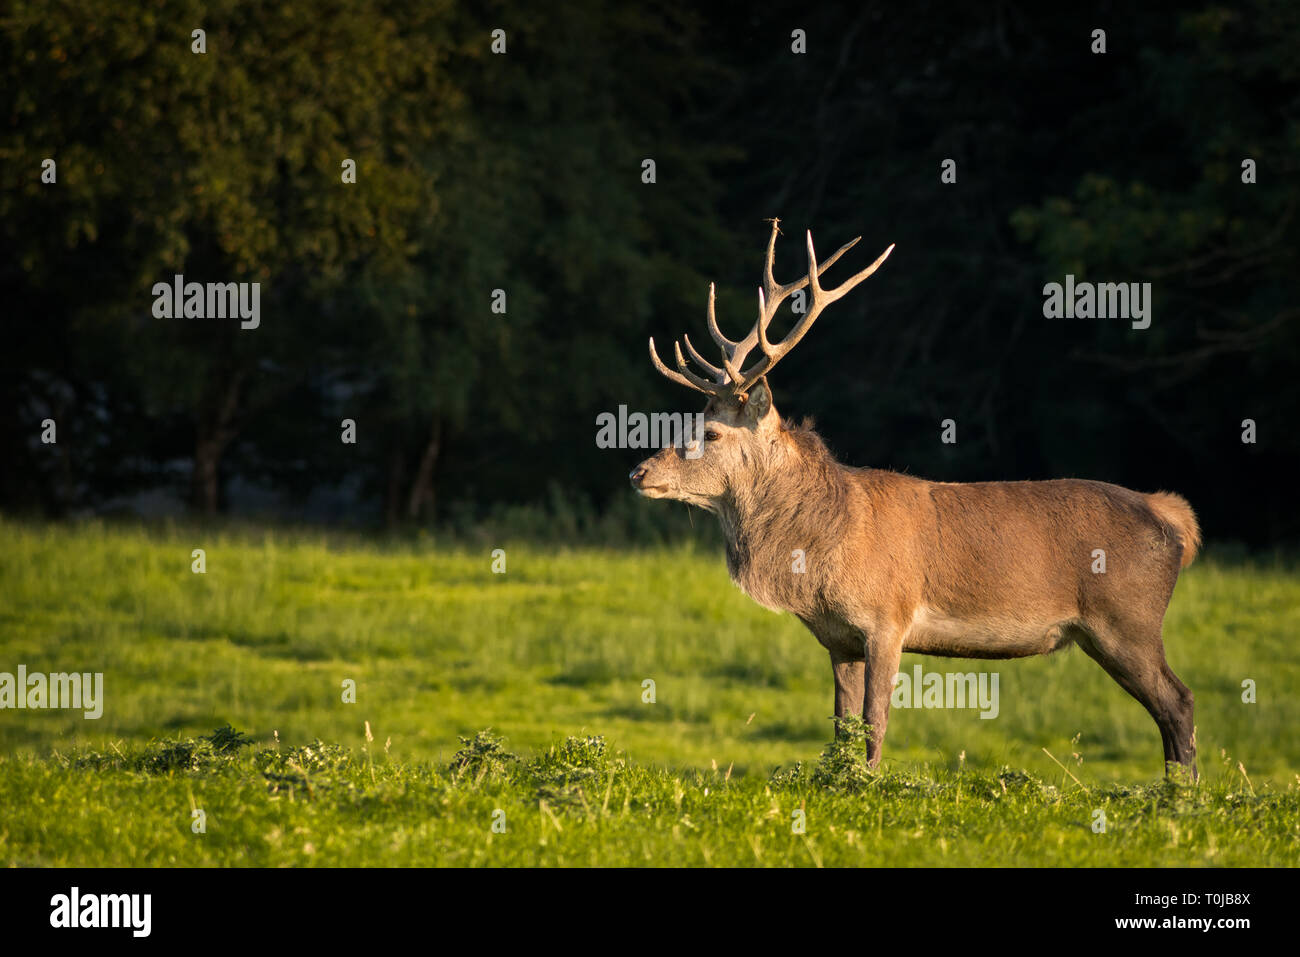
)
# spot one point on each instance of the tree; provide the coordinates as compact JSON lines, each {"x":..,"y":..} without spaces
{"x":224,"y":165}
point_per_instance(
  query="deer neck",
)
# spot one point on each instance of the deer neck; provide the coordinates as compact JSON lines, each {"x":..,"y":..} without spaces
{"x":781,"y":531}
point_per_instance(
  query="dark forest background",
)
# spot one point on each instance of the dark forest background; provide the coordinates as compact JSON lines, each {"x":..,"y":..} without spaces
{"x":523,"y":172}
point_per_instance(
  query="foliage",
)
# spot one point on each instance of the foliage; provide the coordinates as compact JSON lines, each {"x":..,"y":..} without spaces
{"x":481,"y":756}
{"x":521,"y":172}
{"x":843,"y":764}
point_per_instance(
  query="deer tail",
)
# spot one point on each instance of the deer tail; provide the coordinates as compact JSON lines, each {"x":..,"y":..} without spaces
{"x":1175,"y":511}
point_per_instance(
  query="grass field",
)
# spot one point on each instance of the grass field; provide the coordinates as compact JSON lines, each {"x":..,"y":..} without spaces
{"x":552,"y":656}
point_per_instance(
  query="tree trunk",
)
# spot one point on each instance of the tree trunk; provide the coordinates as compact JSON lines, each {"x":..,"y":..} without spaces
{"x":421,"y":498}
{"x":393,"y":495}
{"x":205,"y":480}
{"x":216,"y":429}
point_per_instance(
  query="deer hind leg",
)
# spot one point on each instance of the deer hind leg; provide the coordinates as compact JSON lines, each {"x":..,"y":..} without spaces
{"x":1135,"y":657}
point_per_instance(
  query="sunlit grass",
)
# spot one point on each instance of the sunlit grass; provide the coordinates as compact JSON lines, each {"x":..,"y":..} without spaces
{"x":561,"y":644}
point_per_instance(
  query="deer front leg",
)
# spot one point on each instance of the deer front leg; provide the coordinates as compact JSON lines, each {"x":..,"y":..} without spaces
{"x":880,"y":667}
{"x":849,"y":685}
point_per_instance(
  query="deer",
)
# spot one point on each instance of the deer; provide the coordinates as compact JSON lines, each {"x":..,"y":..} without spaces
{"x":894,"y":563}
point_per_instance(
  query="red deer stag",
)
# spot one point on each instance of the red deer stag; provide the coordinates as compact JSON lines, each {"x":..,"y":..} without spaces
{"x":894,"y":563}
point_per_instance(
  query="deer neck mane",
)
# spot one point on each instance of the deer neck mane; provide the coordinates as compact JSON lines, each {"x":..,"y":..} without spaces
{"x":792,"y":516}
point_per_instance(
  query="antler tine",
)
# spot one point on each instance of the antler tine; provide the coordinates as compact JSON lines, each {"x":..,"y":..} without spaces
{"x":772,"y":353}
{"x":769,"y":281}
{"x":675,"y":376}
{"x":815,"y":287}
{"x":831,"y":295}
{"x":770,"y":296}
{"x":725,"y":344}
{"x":704,"y":385}
{"x":821,"y":298}
{"x":703,"y":363}
{"x":761,"y":329}
{"x":776,"y":292}
{"x":772,"y":293}
{"x":728,"y":347}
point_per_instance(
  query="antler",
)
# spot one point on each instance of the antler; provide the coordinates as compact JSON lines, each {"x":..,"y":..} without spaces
{"x":729,"y":379}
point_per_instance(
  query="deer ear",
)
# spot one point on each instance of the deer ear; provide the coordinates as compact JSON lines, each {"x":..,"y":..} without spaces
{"x":758,"y":402}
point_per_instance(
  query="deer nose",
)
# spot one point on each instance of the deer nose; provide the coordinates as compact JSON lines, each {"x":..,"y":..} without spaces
{"x":638,"y":474}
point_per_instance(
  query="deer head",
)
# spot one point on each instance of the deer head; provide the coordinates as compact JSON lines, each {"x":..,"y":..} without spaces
{"x":742,"y":431}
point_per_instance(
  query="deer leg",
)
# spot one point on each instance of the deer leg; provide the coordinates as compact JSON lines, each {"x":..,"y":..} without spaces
{"x":882,"y":666}
{"x":1184,"y":725}
{"x":1138,"y":666}
{"x":849,"y":674}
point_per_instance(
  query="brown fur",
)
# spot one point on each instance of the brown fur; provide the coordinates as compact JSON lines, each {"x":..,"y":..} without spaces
{"x":896,"y":563}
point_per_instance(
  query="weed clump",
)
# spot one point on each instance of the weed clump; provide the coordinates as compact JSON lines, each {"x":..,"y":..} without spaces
{"x":566,"y":770}
{"x":207,"y":752}
{"x":790,"y":777}
{"x":482,"y":756}
{"x":204,"y":753}
{"x":306,"y":767}
{"x":843,"y":762}
{"x":314,"y":758}
{"x":574,"y":761}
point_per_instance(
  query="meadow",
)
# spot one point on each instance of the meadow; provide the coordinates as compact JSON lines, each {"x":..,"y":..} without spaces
{"x":503,"y":718}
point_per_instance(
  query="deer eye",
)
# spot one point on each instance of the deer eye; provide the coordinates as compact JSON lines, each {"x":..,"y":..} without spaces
{"x":711,"y":436}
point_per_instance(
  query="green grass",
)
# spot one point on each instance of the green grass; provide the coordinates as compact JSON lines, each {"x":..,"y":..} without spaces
{"x":557,"y":647}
